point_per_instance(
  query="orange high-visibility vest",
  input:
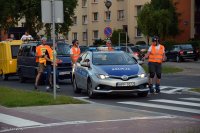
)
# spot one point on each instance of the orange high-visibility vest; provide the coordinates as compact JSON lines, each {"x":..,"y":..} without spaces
{"x":156,"y":55}
{"x":50,"y":52}
{"x":40,"y":50}
{"x":75,"y":53}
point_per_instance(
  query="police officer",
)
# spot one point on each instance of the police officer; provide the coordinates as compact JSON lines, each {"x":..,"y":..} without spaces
{"x":49,"y":68}
{"x":156,"y":55}
{"x":40,"y":59}
{"x":75,"y":51}
{"x":109,"y":45}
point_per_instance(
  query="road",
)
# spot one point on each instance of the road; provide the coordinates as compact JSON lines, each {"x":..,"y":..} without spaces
{"x":170,"y":109}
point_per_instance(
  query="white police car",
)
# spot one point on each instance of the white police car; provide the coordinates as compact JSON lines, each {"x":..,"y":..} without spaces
{"x":109,"y":72}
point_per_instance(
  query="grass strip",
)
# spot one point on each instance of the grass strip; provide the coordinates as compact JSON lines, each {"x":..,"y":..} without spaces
{"x":11,"y":97}
{"x":195,"y":90}
{"x":165,"y":69}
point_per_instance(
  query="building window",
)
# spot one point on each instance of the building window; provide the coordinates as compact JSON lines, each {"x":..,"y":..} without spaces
{"x":95,"y":16}
{"x":84,"y":19}
{"x":84,"y":3}
{"x":95,"y":34}
{"x":74,"y":20}
{"x":120,"y":14}
{"x":84,"y":36}
{"x":138,"y":32}
{"x":107,"y":15}
{"x":75,"y":35}
{"x":139,"y":8}
{"x":95,"y":1}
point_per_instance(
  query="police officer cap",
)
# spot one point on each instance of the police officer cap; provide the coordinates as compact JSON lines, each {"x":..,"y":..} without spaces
{"x":43,"y":39}
{"x":74,"y":41}
{"x":155,"y":38}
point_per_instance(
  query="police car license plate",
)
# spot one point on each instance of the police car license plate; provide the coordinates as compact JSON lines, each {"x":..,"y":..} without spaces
{"x":64,"y":73}
{"x":125,"y":84}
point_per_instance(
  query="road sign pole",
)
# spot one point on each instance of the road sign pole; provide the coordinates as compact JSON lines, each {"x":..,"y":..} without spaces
{"x":54,"y":55}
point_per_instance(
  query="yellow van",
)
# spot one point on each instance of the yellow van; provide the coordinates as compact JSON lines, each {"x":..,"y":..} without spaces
{"x":8,"y":57}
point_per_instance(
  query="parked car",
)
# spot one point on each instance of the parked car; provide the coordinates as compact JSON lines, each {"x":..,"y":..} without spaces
{"x":8,"y":58}
{"x":109,"y":72}
{"x":83,"y":48}
{"x":27,"y":66}
{"x":182,"y":52}
{"x":134,"y":52}
{"x":143,"y":48}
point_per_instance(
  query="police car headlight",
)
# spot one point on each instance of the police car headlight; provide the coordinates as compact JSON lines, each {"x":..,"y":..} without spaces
{"x":102,"y":76}
{"x":142,"y":75}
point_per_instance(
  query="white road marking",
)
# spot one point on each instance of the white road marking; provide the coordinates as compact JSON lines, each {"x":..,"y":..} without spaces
{"x":89,"y":122}
{"x":191,"y":99}
{"x":16,"y":121}
{"x":176,"y":102}
{"x":163,"y":107}
{"x":172,"y":89}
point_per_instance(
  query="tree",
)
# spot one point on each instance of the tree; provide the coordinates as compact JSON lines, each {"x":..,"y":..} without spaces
{"x":14,"y":10}
{"x":115,"y":37}
{"x":158,"y":18}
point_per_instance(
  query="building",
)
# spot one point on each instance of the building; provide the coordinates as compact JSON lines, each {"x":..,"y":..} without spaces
{"x":189,"y":19}
{"x":92,"y":16}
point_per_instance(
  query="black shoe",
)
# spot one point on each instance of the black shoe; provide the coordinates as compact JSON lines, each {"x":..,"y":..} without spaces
{"x":35,"y":87}
{"x":157,"y":88}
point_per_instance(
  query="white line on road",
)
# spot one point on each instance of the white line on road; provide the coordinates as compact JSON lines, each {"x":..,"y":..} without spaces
{"x":191,"y":99}
{"x":16,"y":121}
{"x":163,"y":107}
{"x":176,"y":102}
{"x":89,"y":122}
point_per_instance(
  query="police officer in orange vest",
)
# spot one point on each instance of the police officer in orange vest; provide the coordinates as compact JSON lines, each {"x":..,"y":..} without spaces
{"x":156,"y":55}
{"x":40,"y":59}
{"x":75,"y":51}
{"x":49,"y":68}
{"x":109,"y":45}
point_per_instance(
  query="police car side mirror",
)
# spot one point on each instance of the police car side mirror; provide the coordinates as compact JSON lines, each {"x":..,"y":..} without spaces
{"x":85,"y":64}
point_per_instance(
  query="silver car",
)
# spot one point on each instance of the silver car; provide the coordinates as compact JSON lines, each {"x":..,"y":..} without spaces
{"x":109,"y":72}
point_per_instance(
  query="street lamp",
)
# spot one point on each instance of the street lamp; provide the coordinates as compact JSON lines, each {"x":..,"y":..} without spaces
{"x":108,"y":4}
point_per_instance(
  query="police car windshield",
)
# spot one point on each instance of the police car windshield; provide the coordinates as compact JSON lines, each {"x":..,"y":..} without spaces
{"x":112,"y":58}
{"x":63,"y":49}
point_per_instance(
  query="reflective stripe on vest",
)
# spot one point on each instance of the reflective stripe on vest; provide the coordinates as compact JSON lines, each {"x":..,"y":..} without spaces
{"x":156,"y":55}
{"x":75,"y":53}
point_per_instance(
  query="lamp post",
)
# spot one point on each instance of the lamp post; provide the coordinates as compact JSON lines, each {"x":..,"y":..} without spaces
{"x":108,"y":4}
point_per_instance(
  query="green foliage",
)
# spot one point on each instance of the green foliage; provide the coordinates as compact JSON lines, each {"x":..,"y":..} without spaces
{"x":158,"y":18}
{"x":18,"y":98}
{"x":99,"y":42}
{"x":115,"y":37}
{"x":14,"y":10}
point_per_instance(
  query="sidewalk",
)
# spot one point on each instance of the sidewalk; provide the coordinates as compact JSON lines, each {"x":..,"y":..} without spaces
{"x":97,"y":118}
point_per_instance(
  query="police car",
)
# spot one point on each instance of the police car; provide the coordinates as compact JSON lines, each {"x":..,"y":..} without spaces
{"x":110,"y":72}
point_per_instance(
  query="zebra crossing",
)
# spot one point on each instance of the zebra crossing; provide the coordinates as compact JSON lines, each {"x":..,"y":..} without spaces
{"x":172,"y":89}
{"x":187,"y":105}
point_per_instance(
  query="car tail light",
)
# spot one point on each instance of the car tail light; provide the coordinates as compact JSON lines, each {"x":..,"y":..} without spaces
{"x":136,"y":53}
{"x":181,"y":52}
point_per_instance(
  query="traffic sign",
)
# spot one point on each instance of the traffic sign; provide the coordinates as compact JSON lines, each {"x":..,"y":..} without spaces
{"x":108,"y":31}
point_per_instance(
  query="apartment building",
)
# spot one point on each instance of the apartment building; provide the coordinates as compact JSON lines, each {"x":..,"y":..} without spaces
{"x":92,"y":16}
{"x":189,"y":19}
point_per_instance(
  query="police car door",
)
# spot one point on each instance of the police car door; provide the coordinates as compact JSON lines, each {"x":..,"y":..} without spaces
{"x":85,"y":68}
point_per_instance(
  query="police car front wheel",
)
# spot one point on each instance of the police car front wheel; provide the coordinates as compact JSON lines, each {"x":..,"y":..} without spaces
{"x":89,"y":90}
